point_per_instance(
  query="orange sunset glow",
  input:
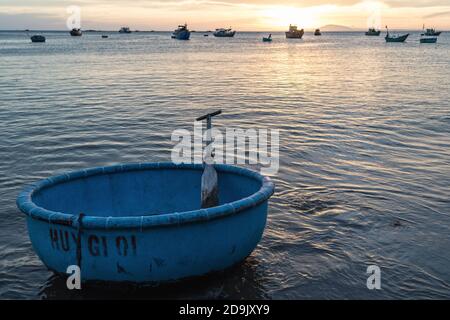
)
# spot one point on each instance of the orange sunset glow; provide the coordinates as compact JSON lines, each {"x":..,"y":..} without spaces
{"x":248,"y":15}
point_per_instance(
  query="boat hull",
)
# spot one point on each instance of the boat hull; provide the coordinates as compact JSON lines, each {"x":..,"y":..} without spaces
{"x":183,"y":35}
{"x":428,"y":40}
{"x":224,"y":35}
{"x":156,"y":247}
{"x":397,"y":39}
{"x":373,"y":34}
{"x":76,"y":33}
{"x":293,"y":36}
{"x":37,"y":39}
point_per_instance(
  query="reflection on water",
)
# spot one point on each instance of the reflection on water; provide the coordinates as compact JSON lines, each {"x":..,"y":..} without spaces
{"x":364,"y":168}
{"x":239,"y":282}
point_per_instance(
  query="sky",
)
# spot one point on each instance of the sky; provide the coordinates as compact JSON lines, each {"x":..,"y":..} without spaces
{"x":243,"y":15}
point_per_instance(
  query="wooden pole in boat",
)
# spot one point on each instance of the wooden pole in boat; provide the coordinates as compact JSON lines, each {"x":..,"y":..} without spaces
{"x":210,"y":185}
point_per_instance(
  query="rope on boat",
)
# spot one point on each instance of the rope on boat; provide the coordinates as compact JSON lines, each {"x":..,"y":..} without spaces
{"x":80,"y":230}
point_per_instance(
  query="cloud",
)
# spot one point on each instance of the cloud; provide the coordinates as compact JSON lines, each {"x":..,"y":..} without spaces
{"x":437,"y":15}
{"x":22,"y":21}
{"x":417,"y":3}
{"x":199,"y":4}
{"x":247,"y":14}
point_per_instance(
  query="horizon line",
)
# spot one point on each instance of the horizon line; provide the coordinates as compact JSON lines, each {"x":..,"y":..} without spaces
{"x":346,"y":29}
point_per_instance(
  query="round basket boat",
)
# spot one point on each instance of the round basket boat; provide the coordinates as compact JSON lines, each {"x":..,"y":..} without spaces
{"x":143,"y":223}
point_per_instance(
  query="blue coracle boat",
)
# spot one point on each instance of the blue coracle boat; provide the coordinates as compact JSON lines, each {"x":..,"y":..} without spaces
{"x":143,"y":223}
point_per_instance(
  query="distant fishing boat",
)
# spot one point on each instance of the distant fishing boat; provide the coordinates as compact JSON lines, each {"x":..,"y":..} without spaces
{"x":224,"y":33}
{"x":294,"y":33}
{"x":373,"y":32}
{"x":268,"y":39}
{"x":182,"y":33}
{"x":37,"y":38}
{"x":124,"y":30}
{"x":317,"y":32}
{"x":431,"y":32}
{"x":104,"y":36}
{"x":395,"y":38}
{"x":428,"y":40}
{"x":76,"y":32}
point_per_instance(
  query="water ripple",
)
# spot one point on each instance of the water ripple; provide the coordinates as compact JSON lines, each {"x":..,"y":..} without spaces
{"x":364,"y":169}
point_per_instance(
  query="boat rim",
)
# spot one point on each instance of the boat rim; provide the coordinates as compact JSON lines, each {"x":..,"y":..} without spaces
{"x":28,"y":207}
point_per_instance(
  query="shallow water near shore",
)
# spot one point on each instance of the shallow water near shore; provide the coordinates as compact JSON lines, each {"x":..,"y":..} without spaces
{"x":364,"y":153}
